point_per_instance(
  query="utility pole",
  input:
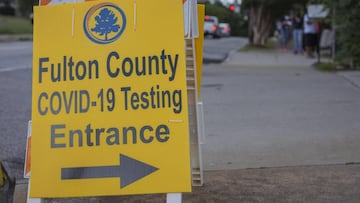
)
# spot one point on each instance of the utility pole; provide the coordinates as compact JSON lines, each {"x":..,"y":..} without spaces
{"x":334,"y":29}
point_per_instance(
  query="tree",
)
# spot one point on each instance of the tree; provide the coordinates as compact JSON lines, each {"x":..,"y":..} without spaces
{"x":346,"y":21}
{"x":106,"y":23}
{"x":6,"y":9}
{"x":262,"y":14}
{"x":237,"y":24}
{"x":26,"y":6}
{"x":348,"y":38}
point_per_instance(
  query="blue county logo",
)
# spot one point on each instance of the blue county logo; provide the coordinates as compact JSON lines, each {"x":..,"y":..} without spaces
{"x":104,"y":23}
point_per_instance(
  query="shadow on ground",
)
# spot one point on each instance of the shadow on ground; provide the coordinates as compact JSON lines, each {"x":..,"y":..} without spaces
{"x":330,"y":183}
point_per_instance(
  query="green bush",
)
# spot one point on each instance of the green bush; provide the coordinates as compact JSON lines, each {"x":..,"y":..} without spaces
{"x":329,"y":67}
{"x":15,"y":25}
{"x":348,"y":19}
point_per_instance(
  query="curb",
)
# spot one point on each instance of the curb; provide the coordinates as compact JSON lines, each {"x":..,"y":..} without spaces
{"x":214,"y":59}
{"x":13,"y":38}
{"x":20,"y":191}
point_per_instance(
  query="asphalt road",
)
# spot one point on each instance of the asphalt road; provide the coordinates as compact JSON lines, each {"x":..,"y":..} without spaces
{"x":216,"y":50}
{"x":15,"y":56}
{"x":14,"y":116}
{"x":15,"y":100}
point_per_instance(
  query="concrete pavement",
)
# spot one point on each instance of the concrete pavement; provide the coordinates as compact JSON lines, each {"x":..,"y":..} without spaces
{"x":269,"y":58}
{"x":336,"y":180}
{"x":278,"y":113}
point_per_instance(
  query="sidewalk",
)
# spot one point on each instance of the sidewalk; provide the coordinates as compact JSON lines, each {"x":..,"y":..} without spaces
{"x":269,"y":58}
{"x":282,"y":59}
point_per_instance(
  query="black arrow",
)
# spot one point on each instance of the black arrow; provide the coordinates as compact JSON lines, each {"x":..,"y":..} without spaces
{"x":129,"y":171}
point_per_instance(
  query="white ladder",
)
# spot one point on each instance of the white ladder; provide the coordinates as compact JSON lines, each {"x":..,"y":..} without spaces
{"x":195,"y":147}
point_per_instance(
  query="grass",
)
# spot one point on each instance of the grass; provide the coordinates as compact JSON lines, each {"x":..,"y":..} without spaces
{"x":15,"y":25}
{"x":269,"y":46}
{"x":328,"y":67}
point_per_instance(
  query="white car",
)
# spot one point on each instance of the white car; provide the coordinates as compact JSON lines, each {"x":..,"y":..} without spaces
{"x":225,"y":29}
{"x":211,"y":26}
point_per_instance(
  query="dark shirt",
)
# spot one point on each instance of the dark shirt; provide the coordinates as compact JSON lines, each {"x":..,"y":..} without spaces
{"x":297,"y":23}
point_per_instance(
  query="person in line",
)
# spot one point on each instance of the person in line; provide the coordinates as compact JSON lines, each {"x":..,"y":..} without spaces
{"x":285,"y":33}
{"x":282,"y":34}
{"x":310,"y":36}
{"x":297,"y":34}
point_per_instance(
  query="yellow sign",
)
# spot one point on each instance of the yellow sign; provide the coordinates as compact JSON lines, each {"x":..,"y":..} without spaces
{"x":199,"y":44}
{"x":53,"y":2}
{"x":109,"y":102}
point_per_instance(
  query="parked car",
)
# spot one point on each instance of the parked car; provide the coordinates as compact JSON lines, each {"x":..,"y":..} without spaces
{"x":225,"y":29}
{"x":211,"y":26}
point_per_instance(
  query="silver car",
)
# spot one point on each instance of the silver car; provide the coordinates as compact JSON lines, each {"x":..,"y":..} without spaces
{"x":225,"y":29}
{"x":211,"y":26}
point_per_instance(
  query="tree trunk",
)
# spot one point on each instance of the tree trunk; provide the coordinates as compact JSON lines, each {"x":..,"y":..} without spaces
{"x":260,"y":22}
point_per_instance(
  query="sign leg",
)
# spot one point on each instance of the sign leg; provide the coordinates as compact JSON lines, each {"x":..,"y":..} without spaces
{"x":173,"y":198}
{"x":32,"y":200}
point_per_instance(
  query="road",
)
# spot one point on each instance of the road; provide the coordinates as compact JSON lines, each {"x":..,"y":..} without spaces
{"x":216,"y":50}
{"x":15,"y":56}
{"x":15,"y":100}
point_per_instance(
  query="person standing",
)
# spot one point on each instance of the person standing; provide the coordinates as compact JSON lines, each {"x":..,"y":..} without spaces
{"x":287,"y":27}
{"x":284,"y":29}
{"x":282,"y":34}
{"x":310,"y":35}
{"x":297,"y":34}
